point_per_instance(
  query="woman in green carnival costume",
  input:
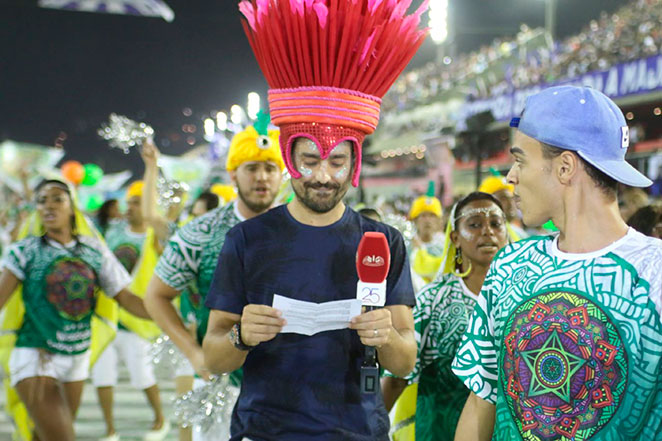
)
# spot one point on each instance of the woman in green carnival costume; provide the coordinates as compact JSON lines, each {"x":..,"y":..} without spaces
{"x":62,"y":272}
{"x":476,"y":230}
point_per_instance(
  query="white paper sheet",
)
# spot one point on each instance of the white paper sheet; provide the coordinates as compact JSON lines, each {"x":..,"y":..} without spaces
{"x":309,"y":318}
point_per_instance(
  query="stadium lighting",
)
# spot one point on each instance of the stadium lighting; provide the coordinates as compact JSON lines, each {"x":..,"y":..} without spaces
{"x":438,"y":20}
{"x":222,"y":121}
{"x":210,"y":129}
{"x":550,"y":17}
{"x":253,"y":105}
{"x":236,"y":114}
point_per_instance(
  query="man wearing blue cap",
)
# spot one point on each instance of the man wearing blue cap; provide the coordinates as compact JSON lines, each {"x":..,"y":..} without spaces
{"x":566,"y":338}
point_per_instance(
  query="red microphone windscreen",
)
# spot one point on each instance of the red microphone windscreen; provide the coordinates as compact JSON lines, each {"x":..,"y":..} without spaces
{"x":373,"y":257}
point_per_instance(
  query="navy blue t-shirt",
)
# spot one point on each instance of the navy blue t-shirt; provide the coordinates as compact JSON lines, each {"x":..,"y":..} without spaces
{"x":298,"y":387}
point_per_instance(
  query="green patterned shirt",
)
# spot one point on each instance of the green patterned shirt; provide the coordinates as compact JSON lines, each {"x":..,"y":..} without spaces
{"x":191,"y":257}
{"x":569,"y":346}
{"x":60,"y":289}
{"x":441,"y":315}
{"x":125,"y":244}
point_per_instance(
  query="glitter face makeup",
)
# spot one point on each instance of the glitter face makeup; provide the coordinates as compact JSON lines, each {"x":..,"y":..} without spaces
{"x":487,"y":212}
{"x":323,"y":182}
{"x":342,"y":173}
{"x":481,"y":231}
{"x":305,"y":171}
{"x":466,"y":234}
{"x":309,"y":163}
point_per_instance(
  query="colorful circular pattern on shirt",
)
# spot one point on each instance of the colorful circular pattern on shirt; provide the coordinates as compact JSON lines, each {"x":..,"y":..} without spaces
{"x":70,"y":287}
{"x":565,"y":368}
{"x":127,"y":254}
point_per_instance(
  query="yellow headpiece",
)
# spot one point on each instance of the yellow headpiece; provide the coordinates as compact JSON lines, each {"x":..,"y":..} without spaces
{"x":224,"y":191}
{"x":256,"y":143}
{"x":425,"y":204}
{"x":135,"y":189}
{"x":494,"y":184}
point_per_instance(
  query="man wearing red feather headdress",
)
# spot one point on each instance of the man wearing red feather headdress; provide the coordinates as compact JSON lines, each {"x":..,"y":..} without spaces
{"x":327,"y":62}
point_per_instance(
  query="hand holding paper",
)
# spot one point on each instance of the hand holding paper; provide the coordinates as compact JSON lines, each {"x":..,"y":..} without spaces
{"x":309,"y":318}
{"x":260,"y":323}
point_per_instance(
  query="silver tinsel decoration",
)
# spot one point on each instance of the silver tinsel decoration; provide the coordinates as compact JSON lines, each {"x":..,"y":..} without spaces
{"x":124,"y":133}
{"x":167,"y":358}
{"x":403,"y":225}
{"x":208,"y":409}
{"x":170,"y":192}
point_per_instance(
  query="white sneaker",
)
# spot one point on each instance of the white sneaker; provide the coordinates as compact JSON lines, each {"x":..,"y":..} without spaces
{"x":158,"y":435}
{"x":114,"y":437}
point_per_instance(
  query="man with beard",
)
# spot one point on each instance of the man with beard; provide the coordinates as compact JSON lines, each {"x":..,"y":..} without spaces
{"x":297,"y":386}
{"x":188,"y":262}
{"x":325,"y":97}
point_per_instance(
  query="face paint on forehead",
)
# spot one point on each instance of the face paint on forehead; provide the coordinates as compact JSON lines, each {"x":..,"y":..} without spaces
{"x":307,"y":145}
{"x":53,"y":185}
{"x":487,"y":212}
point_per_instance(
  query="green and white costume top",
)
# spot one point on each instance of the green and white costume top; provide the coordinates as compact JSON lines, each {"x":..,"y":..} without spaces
{"x":441,"y":315}
{"x":191,"y":256}
{"x":569,"y":346}
{"x":125,"y":244}
{"x":60,"y":284}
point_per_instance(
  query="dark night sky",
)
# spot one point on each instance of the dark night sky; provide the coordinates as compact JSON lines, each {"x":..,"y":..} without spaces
{"x":66,"y":71}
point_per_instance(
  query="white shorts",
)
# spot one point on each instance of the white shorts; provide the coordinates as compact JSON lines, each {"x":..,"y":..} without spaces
{"x":184,"y":369}
{"x":32,"y":362}
{"x":135,"y":354}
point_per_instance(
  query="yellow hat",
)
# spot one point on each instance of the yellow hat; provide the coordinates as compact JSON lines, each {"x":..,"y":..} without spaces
{"x":249,"y":145}
{"x":494,"y":184}
{"x":425,"y":204}
{"x":135,"y":189}
{"x":224,"y":191}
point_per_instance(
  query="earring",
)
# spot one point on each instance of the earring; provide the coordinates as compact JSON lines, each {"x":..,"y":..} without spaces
{"x":458,"y":265}
{"x":458,"y":257}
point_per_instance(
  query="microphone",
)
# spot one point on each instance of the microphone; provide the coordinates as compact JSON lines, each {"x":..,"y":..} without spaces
{"x":373,"y":260}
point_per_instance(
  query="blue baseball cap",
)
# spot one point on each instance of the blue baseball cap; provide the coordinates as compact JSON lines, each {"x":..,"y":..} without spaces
{"x":585,"y":121}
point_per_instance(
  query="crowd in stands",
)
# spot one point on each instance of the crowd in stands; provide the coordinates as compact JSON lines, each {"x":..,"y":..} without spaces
{"x":630,"y":33}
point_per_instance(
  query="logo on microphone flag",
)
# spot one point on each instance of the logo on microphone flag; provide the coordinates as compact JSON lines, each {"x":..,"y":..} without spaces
{"x":374,"y":261}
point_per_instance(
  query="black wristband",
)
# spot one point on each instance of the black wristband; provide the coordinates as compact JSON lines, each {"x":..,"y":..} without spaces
{"x":235,"y":338}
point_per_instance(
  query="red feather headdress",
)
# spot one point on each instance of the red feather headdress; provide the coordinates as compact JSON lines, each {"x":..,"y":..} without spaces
{"x":328,"y":63}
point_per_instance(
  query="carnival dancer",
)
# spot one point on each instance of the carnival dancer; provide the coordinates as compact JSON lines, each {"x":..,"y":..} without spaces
{"x":476,"y":230}
{"x":187,"y":265}
{"x":62,"y":268}
{"x":496,"y":185}
{"x":204,"y":203}
{"x":184,"y":373}
{"x":129,"y":240}
{"x":327,"y":67}
{"x":108,"y":215}
{"x":566,"y":337}
{"x":428,"y":245}
{"x":164,"y":221}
